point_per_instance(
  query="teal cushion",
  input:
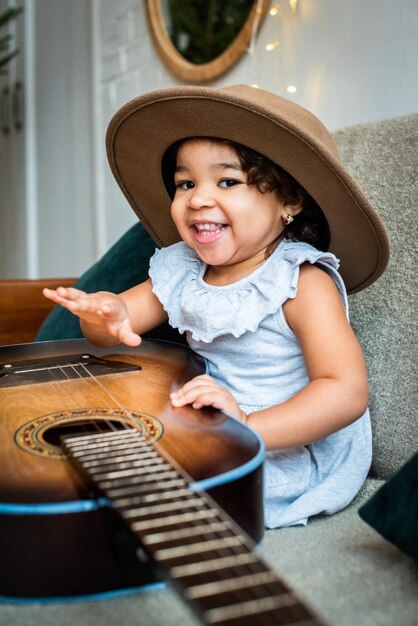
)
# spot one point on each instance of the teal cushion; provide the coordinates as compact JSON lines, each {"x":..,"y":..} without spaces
{"x":123,"y":266}
{"x":393,"y":510}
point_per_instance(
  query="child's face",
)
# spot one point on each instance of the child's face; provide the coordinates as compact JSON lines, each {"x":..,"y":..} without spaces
{"x":226,"y":221}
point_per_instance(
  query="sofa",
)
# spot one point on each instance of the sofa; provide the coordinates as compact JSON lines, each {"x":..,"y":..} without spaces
{"x":358,"y":567}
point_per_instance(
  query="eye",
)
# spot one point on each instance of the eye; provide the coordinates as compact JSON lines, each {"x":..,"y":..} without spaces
{"x":184,"y":184}
{"x":227,"y":183}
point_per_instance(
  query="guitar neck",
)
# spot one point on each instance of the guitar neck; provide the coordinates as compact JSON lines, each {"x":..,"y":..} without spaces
{"x":206,"y":556}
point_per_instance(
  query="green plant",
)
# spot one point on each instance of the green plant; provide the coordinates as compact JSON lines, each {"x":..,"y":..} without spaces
{"x":202,"y":29}
{"x":5,"y":40}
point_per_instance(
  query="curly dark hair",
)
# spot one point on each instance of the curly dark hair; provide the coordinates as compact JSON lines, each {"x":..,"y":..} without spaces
{"x":310,"y":225}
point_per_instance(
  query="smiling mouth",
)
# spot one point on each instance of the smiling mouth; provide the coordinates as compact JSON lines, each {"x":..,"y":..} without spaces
{"x":208,"y":229}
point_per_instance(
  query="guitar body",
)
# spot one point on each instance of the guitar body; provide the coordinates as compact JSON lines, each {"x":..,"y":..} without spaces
{"x":59,"y":539}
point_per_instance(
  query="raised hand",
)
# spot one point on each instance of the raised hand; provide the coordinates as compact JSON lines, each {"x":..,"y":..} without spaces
{"x":205,"y":391}
{"x":104,"y":312}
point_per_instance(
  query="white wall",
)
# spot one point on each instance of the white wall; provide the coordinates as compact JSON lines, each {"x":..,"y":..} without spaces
{"x":63,"y":128}
{"x":47,"y":211}
{"x":351,"y":62}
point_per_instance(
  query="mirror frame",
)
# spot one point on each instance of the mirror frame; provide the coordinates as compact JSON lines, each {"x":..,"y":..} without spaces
{"x":191,"y":72}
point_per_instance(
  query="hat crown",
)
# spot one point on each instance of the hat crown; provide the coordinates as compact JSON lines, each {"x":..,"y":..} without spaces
{"x":292,"y":115}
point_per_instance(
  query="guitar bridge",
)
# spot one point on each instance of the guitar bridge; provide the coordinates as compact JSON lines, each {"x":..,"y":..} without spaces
{"x":58,"y":369}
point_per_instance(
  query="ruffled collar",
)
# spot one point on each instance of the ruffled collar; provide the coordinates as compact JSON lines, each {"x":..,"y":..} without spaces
{"x":209,"y":311}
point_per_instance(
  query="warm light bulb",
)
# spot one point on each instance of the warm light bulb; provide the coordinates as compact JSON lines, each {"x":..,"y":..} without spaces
{"x":275,"y":9}
{"x":291,"y":89}
{"x":272,"y":45}
{"x":293,"y":5}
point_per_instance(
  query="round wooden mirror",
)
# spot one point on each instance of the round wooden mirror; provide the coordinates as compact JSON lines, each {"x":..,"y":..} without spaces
{"x":199,"y":40}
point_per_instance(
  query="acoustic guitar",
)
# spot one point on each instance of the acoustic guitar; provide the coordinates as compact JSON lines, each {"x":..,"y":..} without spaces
{"x":105,"y":486}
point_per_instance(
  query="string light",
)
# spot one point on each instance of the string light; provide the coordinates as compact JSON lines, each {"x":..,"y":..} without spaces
{"x":275,"y":9}
{"x":272,"y":45}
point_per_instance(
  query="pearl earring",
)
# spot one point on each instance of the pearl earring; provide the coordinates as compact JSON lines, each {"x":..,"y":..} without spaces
{"x":287,"y":219}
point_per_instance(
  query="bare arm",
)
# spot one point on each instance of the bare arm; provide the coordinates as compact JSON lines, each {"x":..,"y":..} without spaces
{"x":336,"y":394}
{"x":107,"y":319}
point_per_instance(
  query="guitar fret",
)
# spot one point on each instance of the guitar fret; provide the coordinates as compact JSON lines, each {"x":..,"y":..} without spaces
{"x":219,"y":564}
{"x":102,"y":439}
{"x":233,"y":584}
{"x":185,"y":533}
{"x":156,"y":460}
{"x":147,"y":480}
{"x":250,"y":607}
{"x":91,"y":448}
{"x":120,"y":460}
{"x":172,"y":520}
{"x":155,"y":497}
{"x":99,"y":436}
{"x":113,"y":451}
{"x":133,"y":472}
{"x":149,"y":488}
{"x":109,"y":445}
{"x":156,"y":476}
{"x":199,"y":548}
{"x":163,"y":508}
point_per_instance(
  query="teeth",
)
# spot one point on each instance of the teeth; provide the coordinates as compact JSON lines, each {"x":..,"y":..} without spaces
{"x":211,"y":227}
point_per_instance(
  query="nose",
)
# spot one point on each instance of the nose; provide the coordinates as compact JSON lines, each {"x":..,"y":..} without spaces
{"x":201,"y":198}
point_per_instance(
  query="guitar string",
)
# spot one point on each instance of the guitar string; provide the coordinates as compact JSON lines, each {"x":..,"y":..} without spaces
{"x":54,"y":374}
{"x":55,"y":381}
{"x":240,"y":595}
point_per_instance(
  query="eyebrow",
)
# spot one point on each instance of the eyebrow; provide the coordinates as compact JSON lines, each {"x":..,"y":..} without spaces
{"x":215,"y":166}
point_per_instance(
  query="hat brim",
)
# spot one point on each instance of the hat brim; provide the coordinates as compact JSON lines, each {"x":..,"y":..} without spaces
{"x":141,"y":131}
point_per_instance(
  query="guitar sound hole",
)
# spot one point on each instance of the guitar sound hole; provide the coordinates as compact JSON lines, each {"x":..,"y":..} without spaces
{"x":42,"y":435}
{"x":52,"y":435}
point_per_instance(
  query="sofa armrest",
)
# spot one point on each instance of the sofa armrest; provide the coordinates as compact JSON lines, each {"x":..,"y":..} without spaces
{"x":23,"y":307}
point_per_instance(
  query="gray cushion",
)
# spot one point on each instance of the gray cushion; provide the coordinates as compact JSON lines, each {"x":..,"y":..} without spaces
{"x":382,"y":157}
{"x":346,"y":570}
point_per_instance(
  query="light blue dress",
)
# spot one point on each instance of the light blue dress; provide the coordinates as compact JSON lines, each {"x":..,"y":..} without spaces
{"x":249,"y":348}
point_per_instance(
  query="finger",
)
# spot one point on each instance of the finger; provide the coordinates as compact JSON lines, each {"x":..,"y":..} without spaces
{"x":222,"y":400}
{"x":53,"y":295}
{"x":197,"y":381}
{"x":191,"y":395}
{"x":209,"y":398}
{"x":199,"y":384}
{"x":70,"y":293}
{"x":126,"y":334}
{"x":128,"y":337}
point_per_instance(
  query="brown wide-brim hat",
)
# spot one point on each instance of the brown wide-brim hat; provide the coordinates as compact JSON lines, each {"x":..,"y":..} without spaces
{"x":141,"y":131}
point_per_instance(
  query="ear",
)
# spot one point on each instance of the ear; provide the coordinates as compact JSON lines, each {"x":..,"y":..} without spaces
{"x":289,"y":211}
{"x":293,"y":209}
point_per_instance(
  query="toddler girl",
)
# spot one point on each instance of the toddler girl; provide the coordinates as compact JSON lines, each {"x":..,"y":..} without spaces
{"x":255,"y":190}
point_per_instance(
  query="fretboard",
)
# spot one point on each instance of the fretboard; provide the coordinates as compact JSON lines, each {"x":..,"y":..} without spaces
{"x":208,"y":558}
